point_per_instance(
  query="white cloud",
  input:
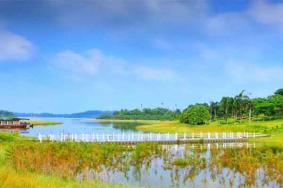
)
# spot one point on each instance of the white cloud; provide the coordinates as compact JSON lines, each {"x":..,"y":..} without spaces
{"x":226,"y":23}
{"x":162,"y":44}
{"x":254,"y":73}
{"x":267,"y":13}
{"x":86,"y":63}
{"x":128,"y":15}
{"x":14,"y":47}
{"x":157,"y":74}
{"x":94,"y":62}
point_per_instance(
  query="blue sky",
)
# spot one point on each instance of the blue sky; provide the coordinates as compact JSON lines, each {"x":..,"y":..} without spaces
{"x":70,"y":55}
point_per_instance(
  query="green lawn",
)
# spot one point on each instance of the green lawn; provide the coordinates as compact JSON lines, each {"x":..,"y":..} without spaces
{"x":275,"y":140}
{"x":274,"y":128}
{"x":175,"y":126}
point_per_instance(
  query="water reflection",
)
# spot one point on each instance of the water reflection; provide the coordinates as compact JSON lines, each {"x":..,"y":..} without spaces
{"x":81,"y":126}
{"x":212,"y":165}
{"x":153,"y":165}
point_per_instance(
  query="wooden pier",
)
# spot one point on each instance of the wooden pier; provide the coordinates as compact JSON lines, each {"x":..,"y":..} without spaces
{"x":167,"y":138}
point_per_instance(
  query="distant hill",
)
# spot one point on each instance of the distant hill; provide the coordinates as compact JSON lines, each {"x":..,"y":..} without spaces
{"x":87,"y":114}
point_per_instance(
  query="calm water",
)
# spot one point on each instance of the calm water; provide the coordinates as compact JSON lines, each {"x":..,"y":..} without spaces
{"x":235,"y":165}
{"x":80,"y":126}
{"x":212,"y":165}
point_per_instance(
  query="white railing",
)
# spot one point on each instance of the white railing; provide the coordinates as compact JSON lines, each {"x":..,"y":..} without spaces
{"x":143,"y":137}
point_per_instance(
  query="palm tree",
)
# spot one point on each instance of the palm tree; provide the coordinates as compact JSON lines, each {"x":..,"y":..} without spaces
{"x":213,"y":109}
{"x":242,"y":105}
{"x":226,"y":103}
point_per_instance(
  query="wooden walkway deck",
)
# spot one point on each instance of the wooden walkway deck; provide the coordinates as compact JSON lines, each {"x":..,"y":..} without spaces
{"x":168,"y":138}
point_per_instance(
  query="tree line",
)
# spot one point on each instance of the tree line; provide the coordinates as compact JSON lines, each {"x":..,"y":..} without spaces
{"x":144,"y":114}
{"x":240,"y":106}
{"x":6,"y":114}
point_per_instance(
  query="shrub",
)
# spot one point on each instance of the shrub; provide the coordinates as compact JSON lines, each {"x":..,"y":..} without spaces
{"x":196,"y":115}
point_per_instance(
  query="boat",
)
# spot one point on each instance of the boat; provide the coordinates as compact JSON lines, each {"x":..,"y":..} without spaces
{"x":14,"y":123}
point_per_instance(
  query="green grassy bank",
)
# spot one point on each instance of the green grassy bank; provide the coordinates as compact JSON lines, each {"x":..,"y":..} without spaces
{"x":272,"y":127}
{"x":275,"y":126}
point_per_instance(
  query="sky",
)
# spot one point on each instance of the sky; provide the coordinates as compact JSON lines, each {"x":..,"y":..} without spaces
{"x":75,"y":55}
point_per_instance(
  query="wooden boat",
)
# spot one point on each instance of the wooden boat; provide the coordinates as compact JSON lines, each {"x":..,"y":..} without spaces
{"x":14,"y":123}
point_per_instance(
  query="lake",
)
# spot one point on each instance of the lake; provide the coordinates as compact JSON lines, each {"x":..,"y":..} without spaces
{"x":235,"y":165}
{"x":188,"y":165}
{"x":80,"y":126}
{"x":152,"y":166}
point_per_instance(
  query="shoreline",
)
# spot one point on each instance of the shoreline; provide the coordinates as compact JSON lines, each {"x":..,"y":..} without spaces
{"x":121,"y":120}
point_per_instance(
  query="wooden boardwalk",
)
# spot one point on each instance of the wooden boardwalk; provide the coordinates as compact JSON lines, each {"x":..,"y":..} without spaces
{"x":167,"y":138}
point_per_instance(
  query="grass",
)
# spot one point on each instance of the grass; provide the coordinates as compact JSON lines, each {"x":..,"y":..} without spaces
{"x":28,"y":164}
{"x":11,"y":137}
{"x":275,"y":140}
{"x":25,"y":163}
{"x":43,"y":122}
{"x":274,"y":128}
{"x":11,"y":177}
{"x":176,"y":126}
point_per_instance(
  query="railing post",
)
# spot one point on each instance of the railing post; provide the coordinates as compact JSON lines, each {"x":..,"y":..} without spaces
{"x":193,"y":135}
{"x":176,"y":136}
{"x":86,"y":137}
{"x":40,"y":137}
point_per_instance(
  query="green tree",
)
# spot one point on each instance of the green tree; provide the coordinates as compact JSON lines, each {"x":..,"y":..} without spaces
{"x":263,"y":106}
{"x":147,"y":114}
{"x":213,"y":109}
{"x":226,"y":104}
{"x":196,"y":114}
{"x":6,"y":114}
{"x":241,"y":105}
{"x":279,"y":91}
{"x":277,"y":102}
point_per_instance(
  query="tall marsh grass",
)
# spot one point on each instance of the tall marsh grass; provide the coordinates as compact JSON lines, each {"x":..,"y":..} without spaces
{"x":10,"y":178}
